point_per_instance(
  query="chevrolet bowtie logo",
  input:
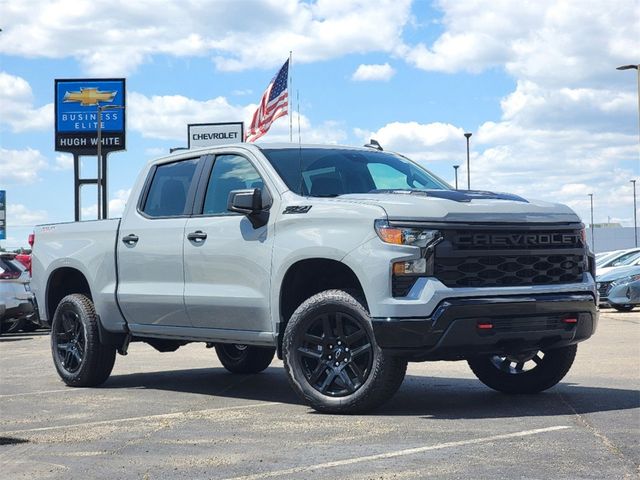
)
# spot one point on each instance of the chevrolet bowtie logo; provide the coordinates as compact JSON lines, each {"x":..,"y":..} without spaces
{"x":89,"y":96}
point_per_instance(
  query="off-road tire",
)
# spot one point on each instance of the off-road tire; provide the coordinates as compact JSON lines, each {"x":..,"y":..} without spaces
{"x":244,"y":358}
{"x":97,"y":359}
{"x":383,"y":379}
{"x":548,"y":372}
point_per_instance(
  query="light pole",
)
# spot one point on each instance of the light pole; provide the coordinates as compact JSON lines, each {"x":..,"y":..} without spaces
{"x":101,"y":108}
{"x":456,"y":167}
{"x":637,"y":68}
{"x":468,"y":135}
{"x":635,"y":215}
{"x":593,"y":245}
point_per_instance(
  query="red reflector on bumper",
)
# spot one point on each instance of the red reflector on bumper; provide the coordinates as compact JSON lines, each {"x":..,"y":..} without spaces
{"x":570,"y":320}
{"x":485,"y":326}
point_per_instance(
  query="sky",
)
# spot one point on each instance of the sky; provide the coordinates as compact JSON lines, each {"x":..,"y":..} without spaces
{"x":535,"y":82}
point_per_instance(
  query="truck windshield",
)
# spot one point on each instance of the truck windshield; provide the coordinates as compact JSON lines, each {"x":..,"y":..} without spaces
{"x":328,"y":172}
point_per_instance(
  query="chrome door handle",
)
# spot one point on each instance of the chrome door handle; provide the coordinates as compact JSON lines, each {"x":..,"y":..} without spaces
{"x":197,"y":236}
{"x":130,"y":239}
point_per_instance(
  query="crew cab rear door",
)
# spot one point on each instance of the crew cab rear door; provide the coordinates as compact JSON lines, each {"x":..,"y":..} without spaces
{"x":150,"y":243}
{"x":227,"y":262}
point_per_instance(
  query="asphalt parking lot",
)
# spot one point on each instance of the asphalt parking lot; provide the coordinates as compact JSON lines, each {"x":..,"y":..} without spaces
{"x":181,"y":415}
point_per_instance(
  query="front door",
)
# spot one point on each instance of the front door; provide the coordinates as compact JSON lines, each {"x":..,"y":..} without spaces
{"x":150,"y":243}
{"x":227,"y":261}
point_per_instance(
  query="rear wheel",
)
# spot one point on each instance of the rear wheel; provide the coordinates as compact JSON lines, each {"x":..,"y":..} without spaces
{"x":80,"y":359}
{"x":529,"y":372}
{"x":12,"y":325}
{"x":239,"y":358}
{"x":623,"y":308}
{"x":332,"y":359}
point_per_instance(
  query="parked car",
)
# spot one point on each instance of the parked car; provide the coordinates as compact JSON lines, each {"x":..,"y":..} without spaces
{"x":620,"y":288}
{"x":602,"y":256}
{"x":616,"y":258}
{"x":345,"y":262}
{"x":627,"y":260}
{"x":20,"y":312}
{"x":24,"y":259}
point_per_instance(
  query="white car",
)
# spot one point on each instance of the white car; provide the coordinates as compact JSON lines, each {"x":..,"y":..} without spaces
{"x":628,"y":259}
{"x":16,"y":299}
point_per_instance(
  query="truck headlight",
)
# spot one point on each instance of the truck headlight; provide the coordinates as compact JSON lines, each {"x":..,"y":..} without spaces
{"x":416,"y":237}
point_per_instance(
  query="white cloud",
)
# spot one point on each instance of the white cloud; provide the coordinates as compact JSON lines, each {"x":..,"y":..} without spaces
{"x":16,"y":105}
{"x":19,"y":215}
{"x":114,"y":38}
{"x":21,"y":166}
{"x":365,"y":73}
{"x":116,"y":206}
{"x":172,"y":113}
{"x":426,"y":142}
{"x":559,"y":43}
{"x":64,"y":161}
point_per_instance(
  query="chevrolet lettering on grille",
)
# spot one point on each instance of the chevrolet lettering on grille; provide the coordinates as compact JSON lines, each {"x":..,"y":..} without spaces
{"x":518,"y":240}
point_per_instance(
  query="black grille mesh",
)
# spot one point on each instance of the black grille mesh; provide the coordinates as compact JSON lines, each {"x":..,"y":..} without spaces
{"x":461,"y":264}
{"x":491,"y":271}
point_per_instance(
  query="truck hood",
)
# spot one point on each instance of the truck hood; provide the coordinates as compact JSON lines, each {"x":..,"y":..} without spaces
{"x":464,"y":206}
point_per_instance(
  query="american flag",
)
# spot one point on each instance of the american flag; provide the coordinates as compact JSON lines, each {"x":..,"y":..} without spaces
{"x":274,"y":104}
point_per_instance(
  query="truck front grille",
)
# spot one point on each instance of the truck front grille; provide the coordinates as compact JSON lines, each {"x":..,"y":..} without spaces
{"x":507,"y":256}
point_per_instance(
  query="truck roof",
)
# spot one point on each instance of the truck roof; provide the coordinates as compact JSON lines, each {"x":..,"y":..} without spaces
{"x":251,"y":146}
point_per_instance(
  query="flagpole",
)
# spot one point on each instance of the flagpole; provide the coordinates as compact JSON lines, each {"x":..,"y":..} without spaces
{"x":299,"y":137}
{"x":290,"y":92}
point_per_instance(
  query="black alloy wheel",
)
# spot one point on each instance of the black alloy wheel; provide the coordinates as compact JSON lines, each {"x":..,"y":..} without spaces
{"x":525,"y":372}
{"x":332,"y":359}
{"x":240,"y":358}
{"x":80,"y":358}
{"x":517,"y":364}
{"x":69,"y":341}
{"x":335,"y":354}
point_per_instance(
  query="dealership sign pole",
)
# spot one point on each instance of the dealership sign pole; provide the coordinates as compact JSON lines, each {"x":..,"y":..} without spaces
{"x":90,"y":121}
{"x":3,"y":215}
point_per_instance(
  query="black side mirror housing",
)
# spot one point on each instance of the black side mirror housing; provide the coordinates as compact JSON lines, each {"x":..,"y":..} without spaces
{"x":252,"y":202}
{"x":247,"y":202}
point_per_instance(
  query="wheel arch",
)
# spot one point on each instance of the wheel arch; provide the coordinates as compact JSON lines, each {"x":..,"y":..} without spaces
{"x":64,"y":281}
{"x":307,"y":277}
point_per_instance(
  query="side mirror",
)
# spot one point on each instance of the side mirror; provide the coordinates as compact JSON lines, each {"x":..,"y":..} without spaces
{"x":247,"y":202}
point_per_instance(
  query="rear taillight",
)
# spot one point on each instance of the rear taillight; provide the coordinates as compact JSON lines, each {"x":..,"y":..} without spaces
{"x":32,"y":241}
{"x":10,"y":275}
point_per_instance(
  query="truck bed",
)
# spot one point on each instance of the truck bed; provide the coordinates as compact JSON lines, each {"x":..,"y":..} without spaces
{"x":89,"y":247}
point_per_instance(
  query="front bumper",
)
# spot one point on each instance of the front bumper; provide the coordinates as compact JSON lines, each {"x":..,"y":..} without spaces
{"x":519,"y":323}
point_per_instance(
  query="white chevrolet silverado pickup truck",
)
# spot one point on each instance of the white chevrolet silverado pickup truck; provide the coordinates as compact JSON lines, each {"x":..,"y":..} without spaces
{"x":346,"y":262}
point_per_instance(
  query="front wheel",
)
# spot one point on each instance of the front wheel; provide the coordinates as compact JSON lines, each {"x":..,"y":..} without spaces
{"x":331,"y":357}
{"x":528,"y":372}
{"x":244,"y":358}
{"x":80,"y":359}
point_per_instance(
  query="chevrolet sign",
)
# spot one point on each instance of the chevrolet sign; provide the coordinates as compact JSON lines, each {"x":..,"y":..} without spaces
{"x":210,"y":134}
{"x":519,"y":240}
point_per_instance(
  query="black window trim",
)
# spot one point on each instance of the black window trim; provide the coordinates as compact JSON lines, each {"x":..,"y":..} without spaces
{"x":201,"y":193}
{"x":191,"y":194}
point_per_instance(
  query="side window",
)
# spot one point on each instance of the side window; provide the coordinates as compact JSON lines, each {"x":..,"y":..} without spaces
{"x":167,"y":195}
{"x":230,"y":172}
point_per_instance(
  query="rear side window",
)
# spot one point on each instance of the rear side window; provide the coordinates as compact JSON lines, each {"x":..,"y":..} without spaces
{"x":167,"y":195}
